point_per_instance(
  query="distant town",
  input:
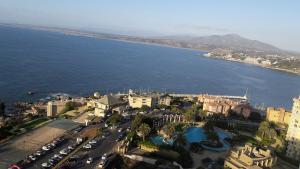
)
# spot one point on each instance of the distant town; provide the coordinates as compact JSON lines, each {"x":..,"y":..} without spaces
{"x":145,"y":130}
{"x":289,"y":64}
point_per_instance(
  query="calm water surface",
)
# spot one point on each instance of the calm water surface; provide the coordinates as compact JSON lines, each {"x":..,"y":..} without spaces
{"x":51,"y":62}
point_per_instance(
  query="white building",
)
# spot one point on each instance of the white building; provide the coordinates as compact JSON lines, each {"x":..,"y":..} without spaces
{"x":293,"y":133}
{"x":105,"y":103}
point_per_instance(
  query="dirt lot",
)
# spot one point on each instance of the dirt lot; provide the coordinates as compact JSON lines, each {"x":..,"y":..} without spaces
{"x":17,"y":148}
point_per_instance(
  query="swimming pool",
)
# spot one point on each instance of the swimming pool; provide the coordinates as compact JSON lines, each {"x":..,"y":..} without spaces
{"x":194,"y":135}
{"x":159,"y":140}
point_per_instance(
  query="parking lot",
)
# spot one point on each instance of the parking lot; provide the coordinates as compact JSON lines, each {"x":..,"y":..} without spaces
{"x":21,"y":146}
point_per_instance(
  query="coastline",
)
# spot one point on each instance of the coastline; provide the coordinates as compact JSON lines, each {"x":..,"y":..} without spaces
{"x":257,"y":65}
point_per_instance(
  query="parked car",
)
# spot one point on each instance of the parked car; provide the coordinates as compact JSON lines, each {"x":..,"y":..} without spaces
{"x":87,"y":146}
{"x":105,"y":156}
{"x":32,"y":157}
{"x":89,"y":160}
{"x":46,"y":165}
{"x":45,"y":148}
{"x":57,"y":156}
{"x":93,"y":141}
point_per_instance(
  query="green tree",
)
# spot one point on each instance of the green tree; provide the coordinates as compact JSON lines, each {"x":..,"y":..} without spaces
{"x":144,"y":130}
{"x":266,"y":132}
{"x":170,"y":129}
{"x":137,"y":121}
{"x":145,"y":108}
{"x":208,"y":127}
{"x":189,"y":116}
{"x":180,"y":139}
{"x":213,"y":136}
{"x":114,"y":119}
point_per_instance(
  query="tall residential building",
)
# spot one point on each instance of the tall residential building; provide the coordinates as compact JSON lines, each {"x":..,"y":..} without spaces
{"x":55,"y":107}
{"x":293,"y":133}
{"x":280,"y":115}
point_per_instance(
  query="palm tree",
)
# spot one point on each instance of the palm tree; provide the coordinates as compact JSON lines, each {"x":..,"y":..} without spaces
{"x":144,"y":130}
{"x":170,"y":129}
{"x":180,"y":139}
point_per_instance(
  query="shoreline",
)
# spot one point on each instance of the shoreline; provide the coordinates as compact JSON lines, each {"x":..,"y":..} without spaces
{"x":261,"y":66}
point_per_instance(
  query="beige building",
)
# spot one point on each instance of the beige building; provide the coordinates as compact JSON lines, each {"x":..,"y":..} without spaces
{"x":105,"y":103}
{"x":250,"y":157}
{"x":55,"y":107}
{"x":293,"y":133}
{"x":150,"y":100}
{"x":280,"y":115}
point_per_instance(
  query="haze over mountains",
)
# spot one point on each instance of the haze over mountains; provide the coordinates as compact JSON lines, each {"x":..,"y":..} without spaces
{"x":229,"y":43}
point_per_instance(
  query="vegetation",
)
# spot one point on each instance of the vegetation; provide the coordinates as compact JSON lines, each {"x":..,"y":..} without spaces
{"x":145,"y":130}
{"x":68,"y":107}
{"x":148,"y":144}
{"x":180,"y":140}
{"x":137,"y":121}
{"x":255,"y":117}
{"x":169,"y":129}
{"x":114,"y":119}
{"x":267,"y":133}
{"x":32,"y":124}
{"x":145,"y":108}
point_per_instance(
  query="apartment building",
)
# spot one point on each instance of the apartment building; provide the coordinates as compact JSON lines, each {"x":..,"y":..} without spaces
{"x":293,"y":133}
{"x":280,"y":116}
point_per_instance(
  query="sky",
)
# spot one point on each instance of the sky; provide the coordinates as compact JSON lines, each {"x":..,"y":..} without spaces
{"x":272,"y":21}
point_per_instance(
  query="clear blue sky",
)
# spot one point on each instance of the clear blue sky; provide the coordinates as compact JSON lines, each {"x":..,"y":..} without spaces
{"x":272,"y":21}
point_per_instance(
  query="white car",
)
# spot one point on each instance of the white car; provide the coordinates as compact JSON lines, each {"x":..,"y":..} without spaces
{"x":105,"y":156}
{"x":101,"y":164}
{"x":46,"y":165}
{"x":64,"y":152}
{"x":93,"y":142}
{"x":87,"y":146}
{"x":32,"y":158}
{"x":120,"y":130}
{"x":45,"y":148}
{"x":57,"y":156}
{"x":89,"y":160}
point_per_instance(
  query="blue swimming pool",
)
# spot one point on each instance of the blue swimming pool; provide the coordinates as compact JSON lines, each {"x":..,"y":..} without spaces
{"x":194,"y":135}
{"x":159,"y":140}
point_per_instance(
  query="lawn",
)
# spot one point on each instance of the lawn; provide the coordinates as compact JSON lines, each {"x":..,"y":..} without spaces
{"x":32,"y":124}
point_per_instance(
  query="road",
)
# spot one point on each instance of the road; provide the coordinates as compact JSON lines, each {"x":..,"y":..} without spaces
{"x":106,"y":145}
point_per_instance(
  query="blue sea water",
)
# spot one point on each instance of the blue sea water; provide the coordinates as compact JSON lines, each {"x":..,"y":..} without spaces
{"x":46,"y":62}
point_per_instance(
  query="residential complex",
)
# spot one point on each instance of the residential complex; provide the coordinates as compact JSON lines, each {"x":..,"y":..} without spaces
{"x":293,"y":133}
{"x":151,"y":100}
{"x":223,"y":105}
{"x":250,"y":157}
{"x":279,"y":116}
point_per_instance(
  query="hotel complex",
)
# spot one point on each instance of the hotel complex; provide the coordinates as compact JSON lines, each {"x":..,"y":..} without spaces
{"x":250,"y":157}
{"x":293,"y":133}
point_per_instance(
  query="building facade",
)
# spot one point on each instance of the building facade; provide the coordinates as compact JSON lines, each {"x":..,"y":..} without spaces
{"x":105,"y":103}
{"x":280,"y":116}
{"x":250,"y":157}
{"x":150,"y":100}
{"x":55,"y":107}
{"x":223,"y":106}
{"x":293,"y":133}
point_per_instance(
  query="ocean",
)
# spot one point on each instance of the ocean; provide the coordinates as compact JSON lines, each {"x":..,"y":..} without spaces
{"x":47,"y":62}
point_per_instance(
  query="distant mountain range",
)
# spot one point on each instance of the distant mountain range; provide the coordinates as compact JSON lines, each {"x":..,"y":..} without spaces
{"x":230,"y":43}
